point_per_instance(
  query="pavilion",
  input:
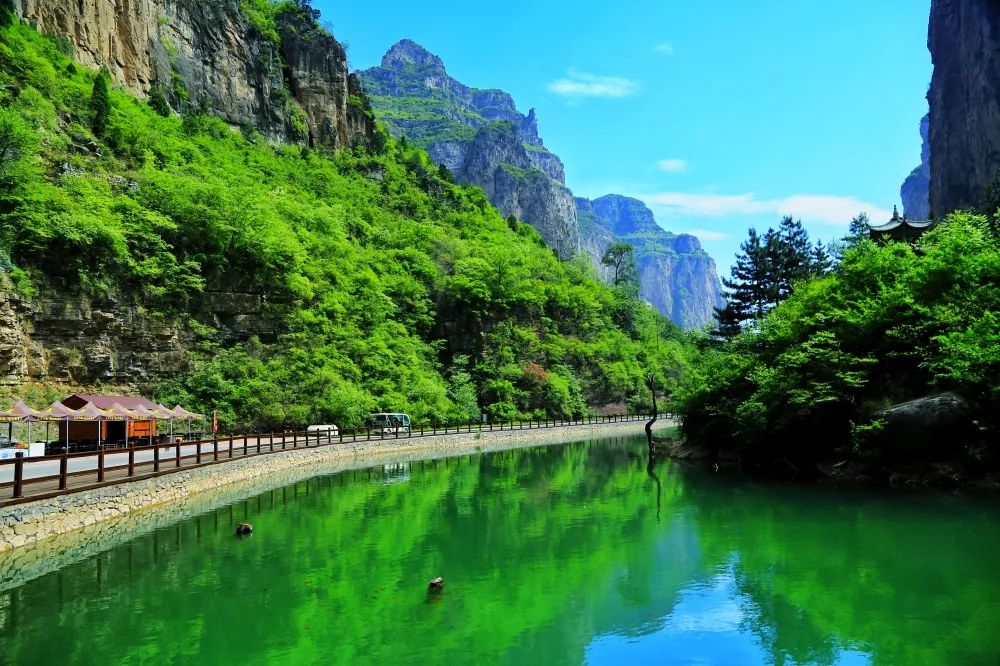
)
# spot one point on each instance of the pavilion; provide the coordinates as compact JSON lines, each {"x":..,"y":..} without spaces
{"x":899,"y":229}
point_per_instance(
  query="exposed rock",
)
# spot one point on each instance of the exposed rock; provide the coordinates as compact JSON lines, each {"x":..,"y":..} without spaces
{"x":61,"y":336}
{"x":913,"y":427}
{"x":206,"y":55}
{"x":964,"y":41}
{"x":244,"y":529}
{"x":915,"y":192}
{"x":436,"y":584}
{"x":676,"y":276}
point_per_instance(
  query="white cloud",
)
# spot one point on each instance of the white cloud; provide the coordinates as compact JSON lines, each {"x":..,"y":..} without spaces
{"x":821,"y":208}
{"x":664,"y":47}
{"x":582,"y":84}
{"x":707,"y":234}
{"x":673,"y":165}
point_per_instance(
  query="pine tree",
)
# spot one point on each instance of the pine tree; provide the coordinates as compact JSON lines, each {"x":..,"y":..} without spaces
{"x":100,"y":102}
{"x":728,"y":322}
{"x":858,"y":230}
{"x":794,"y":257}
{"x":822,"y":260}
{"x":749,"y":282}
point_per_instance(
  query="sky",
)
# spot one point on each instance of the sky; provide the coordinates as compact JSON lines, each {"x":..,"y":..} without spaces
{"x":720,"y":115}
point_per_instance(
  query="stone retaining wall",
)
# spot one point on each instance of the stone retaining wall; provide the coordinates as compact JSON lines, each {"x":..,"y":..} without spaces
{"x":89,"y":518}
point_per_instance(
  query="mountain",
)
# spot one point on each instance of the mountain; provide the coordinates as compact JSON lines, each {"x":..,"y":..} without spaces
{"x":676,"y":276}
{"x":254,"y":245}
{"x":964,"y":133}
{"x":915,"y":192}
{"x":481,"y":137}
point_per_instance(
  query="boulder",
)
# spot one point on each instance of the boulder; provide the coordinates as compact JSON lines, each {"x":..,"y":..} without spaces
{"x":914,"y":427}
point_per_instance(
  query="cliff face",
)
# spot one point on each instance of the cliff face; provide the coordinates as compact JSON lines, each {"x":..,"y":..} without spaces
{"x":50,"y":337}
{"x":480,"y":136}
{"x":964,"y":41}
{"x":676,"y":276}
{"x":206,"y":55}
{"x":915,"y":192}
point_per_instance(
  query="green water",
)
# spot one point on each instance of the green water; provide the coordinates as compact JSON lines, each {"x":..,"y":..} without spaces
{"x":558,"y":555}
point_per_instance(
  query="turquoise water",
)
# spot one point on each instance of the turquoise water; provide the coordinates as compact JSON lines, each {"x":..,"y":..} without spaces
{"x":556,"y":555}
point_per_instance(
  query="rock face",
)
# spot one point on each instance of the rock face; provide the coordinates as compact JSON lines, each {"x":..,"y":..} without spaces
{"x":676,"y":275}
{"x":484,"y":140}
{"x":964,"y":41}
{"x":915,"y":192}
{"x":480,"y":136}
{"x":50,"y":337}
{"x":206,"y":55}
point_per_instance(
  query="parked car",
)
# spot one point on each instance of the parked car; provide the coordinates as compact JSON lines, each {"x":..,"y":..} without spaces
{"x":327,"y":432}
{"x":385,"y":423}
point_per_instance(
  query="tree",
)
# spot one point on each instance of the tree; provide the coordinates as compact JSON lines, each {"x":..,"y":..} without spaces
{"x":17,"y":141}
{"x":858,"y":229}
{"x":620,"y":258}
{"x":749,"y":282}
{"x":444,"y":173}
{"x":822,"y":260}
{"x":100,"y":102}
{"x":158,"y":101}
{"x":728,"y":322}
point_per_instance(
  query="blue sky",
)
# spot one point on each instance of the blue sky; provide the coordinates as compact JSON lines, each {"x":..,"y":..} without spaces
{"x":720,"y":115}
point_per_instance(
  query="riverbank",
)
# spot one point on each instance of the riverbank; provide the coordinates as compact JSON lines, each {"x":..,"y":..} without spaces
{"x":91,"y":517}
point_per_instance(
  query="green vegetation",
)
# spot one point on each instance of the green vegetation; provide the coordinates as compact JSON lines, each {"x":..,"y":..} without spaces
{"x":892,"y":322}
{"x":381,"y":285}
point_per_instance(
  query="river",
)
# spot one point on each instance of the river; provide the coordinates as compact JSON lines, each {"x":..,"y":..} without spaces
{"x":552,"y":555}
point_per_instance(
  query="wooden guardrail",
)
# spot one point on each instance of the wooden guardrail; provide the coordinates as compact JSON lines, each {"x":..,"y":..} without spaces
{"x":136,"y":462}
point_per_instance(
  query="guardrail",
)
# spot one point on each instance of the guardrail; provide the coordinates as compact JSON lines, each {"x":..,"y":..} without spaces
{"x":48,"y":476}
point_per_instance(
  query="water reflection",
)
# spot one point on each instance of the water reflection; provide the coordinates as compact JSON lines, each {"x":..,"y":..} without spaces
{"x":559,"y":555}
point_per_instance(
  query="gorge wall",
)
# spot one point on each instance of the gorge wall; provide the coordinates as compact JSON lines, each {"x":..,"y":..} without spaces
{"x":964,"y":132}
{"x":915,"y":192}
{"x":676,"y":276}
{"x":484,"y":140}
{"x":209,"y":56}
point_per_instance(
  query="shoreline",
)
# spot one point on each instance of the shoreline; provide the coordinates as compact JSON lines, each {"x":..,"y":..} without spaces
{"x":47,"y":534}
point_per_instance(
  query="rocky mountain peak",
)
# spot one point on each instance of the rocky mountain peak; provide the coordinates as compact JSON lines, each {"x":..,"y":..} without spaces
{"x":408,"y":52}
{"x":628,"y":215}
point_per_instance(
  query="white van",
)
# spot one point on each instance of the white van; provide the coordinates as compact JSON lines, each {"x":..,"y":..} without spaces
{"x":327,"y":432}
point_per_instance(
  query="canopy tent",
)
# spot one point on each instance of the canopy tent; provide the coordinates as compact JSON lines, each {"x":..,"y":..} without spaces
{"x":19,"y":413}
{"x":138,"y":409}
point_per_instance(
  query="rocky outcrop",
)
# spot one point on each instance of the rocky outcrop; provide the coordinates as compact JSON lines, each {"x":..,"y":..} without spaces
{"x":915,"y":427}
{"x":206,"y":55}
{"x":480,"y":136}
{"x":67,"y":338}
{"x":915,"y":192}
{"x":964,"y":41}
{"x":676,"y":276}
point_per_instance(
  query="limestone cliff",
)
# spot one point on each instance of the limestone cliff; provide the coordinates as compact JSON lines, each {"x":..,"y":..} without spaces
{"x":479,"y":135}
{"x":81,"y":341}
{"x":915,"y":192}
{"x":208,"y":55}
{"x":676,"y":276}
{"x":964,"y":41}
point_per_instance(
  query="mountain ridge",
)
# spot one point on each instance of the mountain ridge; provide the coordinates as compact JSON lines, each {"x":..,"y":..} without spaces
{"x":482,"y":138}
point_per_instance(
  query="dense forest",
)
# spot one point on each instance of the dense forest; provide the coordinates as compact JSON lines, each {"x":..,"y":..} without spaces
{"x":808,"y":354}
{"x":393,"y":287}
